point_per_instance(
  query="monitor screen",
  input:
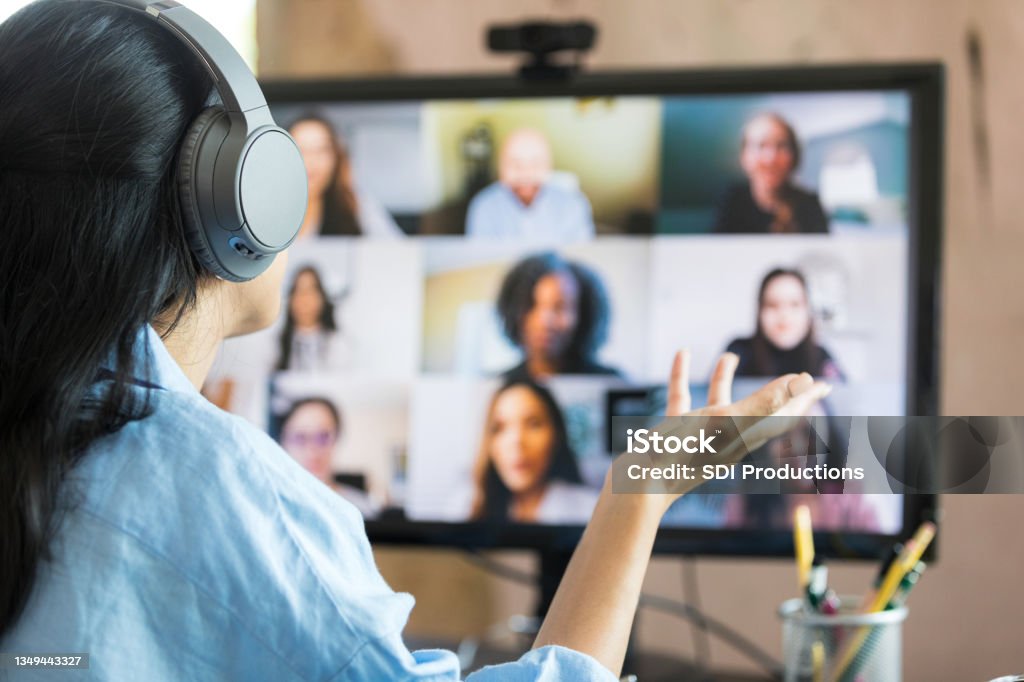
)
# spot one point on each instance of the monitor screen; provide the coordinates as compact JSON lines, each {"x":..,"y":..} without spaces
{"x":490,"y":270}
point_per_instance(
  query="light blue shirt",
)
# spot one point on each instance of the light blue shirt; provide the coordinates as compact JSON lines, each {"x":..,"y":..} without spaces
{"x":195,"y":548}
{"x":556,"y":214}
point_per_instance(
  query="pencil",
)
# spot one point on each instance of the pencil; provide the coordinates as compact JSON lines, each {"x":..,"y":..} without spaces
{"x":803,"y":541}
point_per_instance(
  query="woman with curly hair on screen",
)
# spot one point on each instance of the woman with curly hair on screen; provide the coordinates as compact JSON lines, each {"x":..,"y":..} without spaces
{"x":557,"y":312}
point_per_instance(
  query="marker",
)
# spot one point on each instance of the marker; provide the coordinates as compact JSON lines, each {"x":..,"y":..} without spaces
{"x":803,"y":541}
{"x":817,"y":585}
{"x":830,"y":604}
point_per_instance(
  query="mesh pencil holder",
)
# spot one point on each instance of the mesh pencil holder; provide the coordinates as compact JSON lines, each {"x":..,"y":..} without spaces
{"x":846,"y":647}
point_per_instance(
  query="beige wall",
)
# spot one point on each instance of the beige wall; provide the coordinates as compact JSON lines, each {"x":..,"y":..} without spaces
{"x":965,"y":621}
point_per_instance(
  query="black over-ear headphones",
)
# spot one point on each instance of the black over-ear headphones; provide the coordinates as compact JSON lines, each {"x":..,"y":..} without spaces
{"x":241,"y":180}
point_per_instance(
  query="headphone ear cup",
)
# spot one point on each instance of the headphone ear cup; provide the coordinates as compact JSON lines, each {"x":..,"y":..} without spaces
{"x":195,"y":231}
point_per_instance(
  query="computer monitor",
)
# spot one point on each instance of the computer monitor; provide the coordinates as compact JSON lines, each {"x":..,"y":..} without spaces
{"x":492,"y":268}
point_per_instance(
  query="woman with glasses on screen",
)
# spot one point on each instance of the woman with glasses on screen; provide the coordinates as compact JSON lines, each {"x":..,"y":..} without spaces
{"x":526,"y":470}
{"x":141,"y":524}
{"x":557,"y":313}
{"x":309,"y":432}
{"x":769,"y":201}
{"x":337,"y":206}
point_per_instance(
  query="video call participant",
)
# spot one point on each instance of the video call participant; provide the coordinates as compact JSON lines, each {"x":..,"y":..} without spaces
{"x":310,"y":340}
{"x":557,"y":313}
{"x":526,"y":202}
{"x":769,"y":201}
{"x":337,"y":207}
{"x":310,"y":431}
{"x":526,"y":470}
{"x":130,"y":503}
{"x":783,"y":339}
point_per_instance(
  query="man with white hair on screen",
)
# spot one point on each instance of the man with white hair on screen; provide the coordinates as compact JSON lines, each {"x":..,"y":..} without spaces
{"x":529,"y":200}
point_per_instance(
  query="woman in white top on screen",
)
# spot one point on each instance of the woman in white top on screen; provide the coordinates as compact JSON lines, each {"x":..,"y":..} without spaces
{"x":311,"y":340}
{"x":526,"y":470}
{"x":337,"y":206}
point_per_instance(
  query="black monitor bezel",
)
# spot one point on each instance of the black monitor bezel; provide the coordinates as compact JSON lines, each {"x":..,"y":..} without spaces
{"x":925,"y":83}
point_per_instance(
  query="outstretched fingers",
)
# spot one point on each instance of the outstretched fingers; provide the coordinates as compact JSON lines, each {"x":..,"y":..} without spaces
{"x":789,"y":395}
{"x":679,"y":385}
{"x":720,"y":390}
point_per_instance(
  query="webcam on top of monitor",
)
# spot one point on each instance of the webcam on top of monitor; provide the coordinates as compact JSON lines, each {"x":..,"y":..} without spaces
{"x":541,"y":40}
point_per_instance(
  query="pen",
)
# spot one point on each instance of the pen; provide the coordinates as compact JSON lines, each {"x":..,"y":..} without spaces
{"x":907,"y":561}
{"x":803,"y":542}
{"x":899,"y":599}
{"x":890,"y":556}
{"x":906,"y":585}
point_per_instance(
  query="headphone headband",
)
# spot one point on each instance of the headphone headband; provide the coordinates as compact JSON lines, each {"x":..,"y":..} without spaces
{"x":238,"y":88}
{"x":241,"y":180}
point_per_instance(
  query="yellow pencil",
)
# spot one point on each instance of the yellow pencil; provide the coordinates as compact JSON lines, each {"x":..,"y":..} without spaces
{"x":907,"y":560}
{"x":818,"y":661}
{"x":803,"y":541}
{"x":911,"y":554}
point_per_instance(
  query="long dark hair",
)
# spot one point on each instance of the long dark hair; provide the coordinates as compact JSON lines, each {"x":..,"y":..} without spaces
{"x":341,"y":206}
{"x":516,"y":299}
{"x":492,"y":495}
{"x":809,"y":356}
{"x":96,"y":100}
{"x":326,"y":321}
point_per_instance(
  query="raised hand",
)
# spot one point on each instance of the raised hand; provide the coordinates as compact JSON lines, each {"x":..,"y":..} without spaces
{"x":740,"y":427}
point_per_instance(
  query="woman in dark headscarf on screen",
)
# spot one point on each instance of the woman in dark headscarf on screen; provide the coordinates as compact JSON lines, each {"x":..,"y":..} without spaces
{"x":770,"y":202}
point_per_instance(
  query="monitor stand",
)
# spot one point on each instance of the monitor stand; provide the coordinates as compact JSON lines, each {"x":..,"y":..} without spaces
{"x":553,"y":564}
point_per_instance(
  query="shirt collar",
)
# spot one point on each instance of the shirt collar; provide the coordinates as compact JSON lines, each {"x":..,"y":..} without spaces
{"x":164,"y":370}
{"x":512,"y":196}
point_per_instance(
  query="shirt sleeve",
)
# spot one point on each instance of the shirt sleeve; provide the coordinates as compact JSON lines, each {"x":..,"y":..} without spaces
{"x":476,"y":217}
{"x":387,"y":658}
{"x":546,"y":664}
{"x":584,"y":219}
